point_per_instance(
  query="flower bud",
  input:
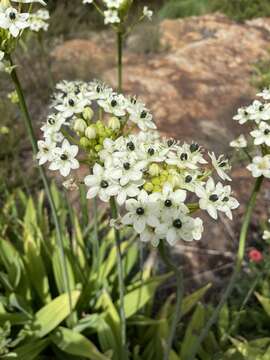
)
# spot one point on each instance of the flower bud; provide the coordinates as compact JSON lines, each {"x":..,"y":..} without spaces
{"x":84,"y":142}
{"x":174,"y":180}
{"x":80,"y":125}
{"x":114,"y":123}
{"x":148,"y":187}
{"x":90,"y":132}
{"x":154,"y":170}
{"x":124,"y":7}
{"x":88,"y":113}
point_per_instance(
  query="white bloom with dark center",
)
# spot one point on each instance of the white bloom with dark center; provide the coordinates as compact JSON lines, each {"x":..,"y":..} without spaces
{"x":14,"y":21}
{"x":38,"y":22}
{"x":141,"y":212}
{"x":220,"y":165}
{"x":262,"y":134}
{"x":114,"y":104}
{"x":53,"y":124}
{"x":100,"y":184}
{"x":72,"y":105}
{"x":228,"y":203}
{"x":239,"y":142}
{"x":64,"y":158}
{"x":242,"y":116}
{"x":180,"y":227}
{"x":126,"y":171}
{"x":260,"y":166}
{"x":128,"y":191}
{"x":141,"y":116}
{"x":30,"y":2}
{"x":111,"y":17}
{"x":258,"y":111}
{"x":46,"y":151}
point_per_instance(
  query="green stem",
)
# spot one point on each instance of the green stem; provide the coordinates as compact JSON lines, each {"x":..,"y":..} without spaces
{"x":237,"y":268}
{"x":164,"y":253}
{"x":96,"y":238}
{"x":120,"y":59}
{"x":121,"y":285}
{"x":31,"y":134}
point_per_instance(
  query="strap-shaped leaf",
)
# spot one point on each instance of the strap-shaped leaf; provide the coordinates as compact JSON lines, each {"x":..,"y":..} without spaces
{"x":76,"y":344}
{"x":51,"y":315}
{"x":31,"y":350}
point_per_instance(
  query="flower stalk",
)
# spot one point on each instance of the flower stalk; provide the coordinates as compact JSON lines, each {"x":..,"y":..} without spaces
{"x":164,"y":253}
{"x":237,"y":268}
{"x":31,"y":134}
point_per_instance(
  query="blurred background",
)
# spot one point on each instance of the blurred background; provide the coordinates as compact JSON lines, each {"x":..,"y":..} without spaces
{"x":193,"y":65}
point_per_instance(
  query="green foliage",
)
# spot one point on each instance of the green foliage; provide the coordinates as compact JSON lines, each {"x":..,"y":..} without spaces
{"x":35,"y":316}
{"x":174,"y":9}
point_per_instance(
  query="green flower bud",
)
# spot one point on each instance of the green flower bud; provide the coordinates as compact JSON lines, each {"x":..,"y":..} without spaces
{"x":174,"y":180}
{"x":98,"y":148}
{"x":80,"y":126}
{"x":88,"y":113}
{"x":114,"y":123}
{"x":157,"y":188}
{"x":154,"y":170}
{"x":84,"y":142}
{"x":91,"y":132}
{"x":156,"y":181}
{"x":148,"y":187}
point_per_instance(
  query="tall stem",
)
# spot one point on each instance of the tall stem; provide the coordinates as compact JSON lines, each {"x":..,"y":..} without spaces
{"x":31,"y":134}
{"x":120,"y":280}
{"x":179,"y":296}
{"x":120,"y":59}
{"x":237,"y":268}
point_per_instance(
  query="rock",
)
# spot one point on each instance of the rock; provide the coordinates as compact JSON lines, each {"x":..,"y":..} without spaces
{"x":193,"y":86}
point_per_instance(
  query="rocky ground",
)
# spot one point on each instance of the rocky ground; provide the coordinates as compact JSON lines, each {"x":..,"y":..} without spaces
{"x":194,"y":82}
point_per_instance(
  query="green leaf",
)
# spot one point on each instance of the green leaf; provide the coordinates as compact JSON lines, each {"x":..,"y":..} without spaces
{"x":265,"y":302}
{"x":51,"y":315}
{"x":195,"y":325}
{"x":192,"y":299}
{"x":31,"y":350}
{"x":76,"y":344}
{"x":11,"y":260}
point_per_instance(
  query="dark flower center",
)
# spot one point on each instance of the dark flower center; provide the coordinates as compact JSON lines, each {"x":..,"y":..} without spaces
{"x":213,"y":197}
{"x":143,"y":114}
{"x":184,"y":156}
{"x":104,"y":184}
{"x":188,"y":179}
{"x":170,"y":142}
{"x":113,"y":103}
{"x":261,"y":107}
{"x":151,"y":151}
{"x":51,"y":121}
{"x":131,"y":146}
{"x":266,"y":132}
{"x":63,"y":157}
{"x":126,"y":166}
{"x":177,"y":224}
{"x":140,"y":211}
{"x":71,"y":102}
{"x":194,"y":147}
{"x":223,"y":164}
{"x":225,"y":199}
{"x":12,"y":16}
{"x":168,"y":203}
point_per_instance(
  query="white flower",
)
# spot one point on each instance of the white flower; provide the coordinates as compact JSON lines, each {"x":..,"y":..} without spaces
{"x":53,"y":124}
{"x":141,"y":116}
{"x":260,"y":166}
{"x":262,"y":134}
{"x":64,"y":159}
{"x":180,"y":227}
{"x":114,"y":104}
{"x":266,"y":235}
{"x":126,"y":171}
{"x":147,"y":13}
{"x":87,"y":1}
{"x":30,"y":1}
{"x":220,"y":165}
{"x":141,"y":212}
{"x":111,"y":17}
{"x":216,"y":197}
{"x":239,"y":142}
{"x":38,"y":20}
{"x":100,"y":184}
{"x":150,"y":235}
{"x":14,"y":21}
{"x":72,"y":105}
{"x":2,"y":65}
{"x":242,"y":116}
{"x":128,"y":191}
{"x":258,"y":111}
{"x":265,"y":94}
{"x":46,"y":151}
{"x":113,"y":3}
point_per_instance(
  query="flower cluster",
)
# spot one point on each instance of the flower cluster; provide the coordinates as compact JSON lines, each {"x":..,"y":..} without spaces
{"x":257,"y":115}
{"x":159,"y":183}
{"x":115,"y":10}
{"x":13,"y":20}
